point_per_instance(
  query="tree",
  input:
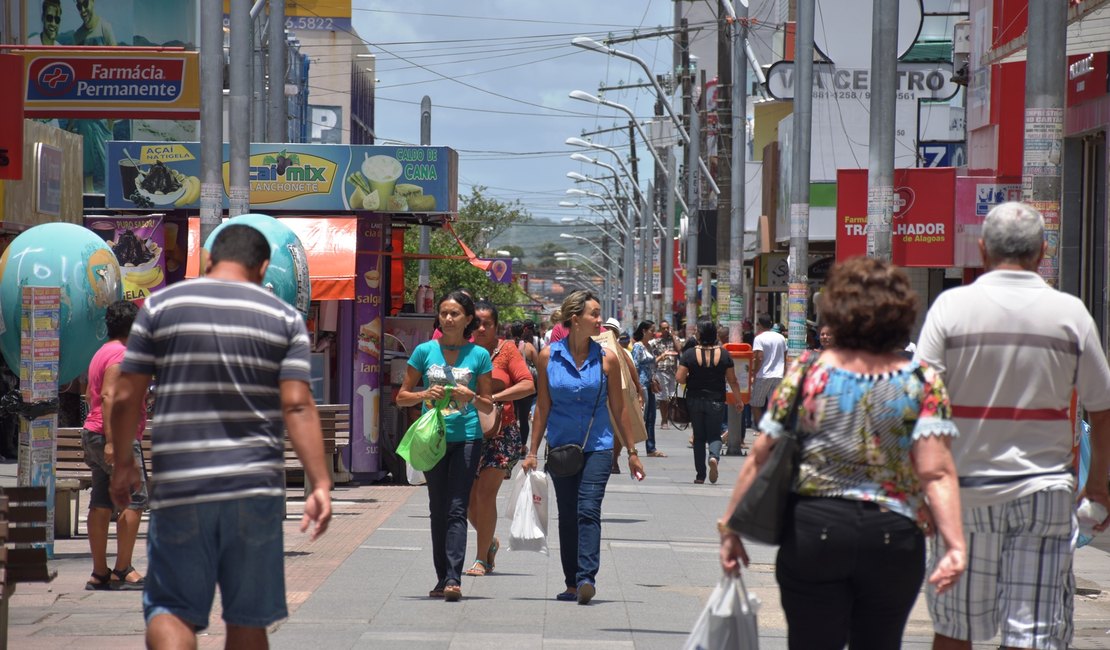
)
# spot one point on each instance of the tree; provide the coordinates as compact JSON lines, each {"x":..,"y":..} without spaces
{"x":481,"y":218}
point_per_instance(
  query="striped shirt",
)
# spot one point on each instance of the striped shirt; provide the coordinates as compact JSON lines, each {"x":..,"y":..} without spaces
{"x":219,"y":350}
{"x":1011,"y":349}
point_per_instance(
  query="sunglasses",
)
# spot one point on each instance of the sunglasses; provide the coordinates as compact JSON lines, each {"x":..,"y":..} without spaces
{"x":51,"y":18}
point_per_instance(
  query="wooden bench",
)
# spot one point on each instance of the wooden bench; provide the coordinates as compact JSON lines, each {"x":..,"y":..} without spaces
{"x":73,"y":476}
{"x":22,"y":523}
{"x":335,"y":424}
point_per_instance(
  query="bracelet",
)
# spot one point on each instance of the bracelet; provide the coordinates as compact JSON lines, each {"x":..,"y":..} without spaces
{"x":632,"y":452}
{"x":724,"y":529}
{"x":531,"y":456}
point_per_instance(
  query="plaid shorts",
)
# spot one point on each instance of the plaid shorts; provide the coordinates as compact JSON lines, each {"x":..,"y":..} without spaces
{"x":1019,"y":574}
{"x":762,"y":389}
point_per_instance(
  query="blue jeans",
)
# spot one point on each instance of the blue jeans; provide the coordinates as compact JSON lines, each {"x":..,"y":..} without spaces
{"x":236,"y":544}
{"x":649,"y":418}
{"x":448,"y":497}
{"x":579,"y":498}
{"x":705,"y":420}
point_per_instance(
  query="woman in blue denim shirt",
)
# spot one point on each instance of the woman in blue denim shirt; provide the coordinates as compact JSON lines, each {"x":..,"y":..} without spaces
{"x":645,"y":365}
{"x":576,"y":384}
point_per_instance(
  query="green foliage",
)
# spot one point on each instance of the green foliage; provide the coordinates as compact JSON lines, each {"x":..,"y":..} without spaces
{"x":481,"y":218}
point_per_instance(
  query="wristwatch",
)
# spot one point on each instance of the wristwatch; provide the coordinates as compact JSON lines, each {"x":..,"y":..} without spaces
{"x":724,"y":529}
{"x":632,"y":452}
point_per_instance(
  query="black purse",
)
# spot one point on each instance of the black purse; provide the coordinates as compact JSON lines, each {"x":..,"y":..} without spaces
{"x":567,"y":460}
{"x":761,"y":513}
{"x":680,"y":412}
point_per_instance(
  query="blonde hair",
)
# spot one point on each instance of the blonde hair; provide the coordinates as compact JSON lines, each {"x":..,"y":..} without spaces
{"x":573,"y":305}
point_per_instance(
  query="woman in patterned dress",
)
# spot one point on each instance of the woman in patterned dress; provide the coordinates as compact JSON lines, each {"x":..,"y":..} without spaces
{"x":500,"y":453}
{"x":874,"y":471}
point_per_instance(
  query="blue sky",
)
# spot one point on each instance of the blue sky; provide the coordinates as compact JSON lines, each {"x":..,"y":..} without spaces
{"x":510,"y":66}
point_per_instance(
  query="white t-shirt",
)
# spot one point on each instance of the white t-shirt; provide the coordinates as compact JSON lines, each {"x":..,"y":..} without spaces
{"x":1011,"y":349}
{"x":773,"y":346}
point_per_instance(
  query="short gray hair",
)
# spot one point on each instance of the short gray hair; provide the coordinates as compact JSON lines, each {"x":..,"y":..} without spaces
{"x":1013,"y":231}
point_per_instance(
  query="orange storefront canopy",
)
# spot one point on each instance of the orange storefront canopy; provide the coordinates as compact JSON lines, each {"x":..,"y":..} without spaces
{"x":329,"y":243}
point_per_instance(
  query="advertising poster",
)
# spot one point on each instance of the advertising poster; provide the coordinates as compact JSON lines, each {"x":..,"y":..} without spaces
{"x":140,"y":248}
{"x":501,"y":270}
{"x":40,"y":347}
{"x":975,"y":197}
{"x":311,"y":177}
{"x":171,"y":23}
{"x":367,"y":407}
{"x":11,"y":127}
{"x":924,"y":216}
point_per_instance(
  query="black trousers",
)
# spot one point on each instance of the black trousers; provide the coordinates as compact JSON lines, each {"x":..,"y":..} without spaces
{"x":449,"y":485}
{"x":849,"y":573}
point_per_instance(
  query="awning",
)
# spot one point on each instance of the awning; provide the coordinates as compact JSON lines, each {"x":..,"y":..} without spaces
{"x":329,"y":243}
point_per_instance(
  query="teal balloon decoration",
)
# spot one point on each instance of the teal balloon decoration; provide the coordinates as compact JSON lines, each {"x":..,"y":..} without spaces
{"x":81,"y":263}
{"x":287,"y":276}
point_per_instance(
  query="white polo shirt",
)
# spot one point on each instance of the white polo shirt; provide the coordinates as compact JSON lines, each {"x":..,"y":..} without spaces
{"x":1011,"y":349}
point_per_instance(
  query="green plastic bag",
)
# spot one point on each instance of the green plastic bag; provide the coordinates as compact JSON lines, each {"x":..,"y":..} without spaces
{"x":425,"y":442}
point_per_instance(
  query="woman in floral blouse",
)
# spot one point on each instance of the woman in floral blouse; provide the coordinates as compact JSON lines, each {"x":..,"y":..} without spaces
{"x":875,"y":473}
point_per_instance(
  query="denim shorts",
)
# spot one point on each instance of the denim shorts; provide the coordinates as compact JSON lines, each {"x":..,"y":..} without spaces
{"x":236,"y":544}
{"x":93,"y":445}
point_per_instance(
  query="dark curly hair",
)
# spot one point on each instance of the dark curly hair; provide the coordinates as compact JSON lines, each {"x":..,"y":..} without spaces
{"x":869,"y":305}
{"x":467,"y":303}
{"x":119,"y":317}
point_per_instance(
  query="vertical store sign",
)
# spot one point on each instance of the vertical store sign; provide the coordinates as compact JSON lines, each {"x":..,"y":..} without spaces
{"x":367,"y":407}
{"x":11,"y":126}
{"x":39,"y":361}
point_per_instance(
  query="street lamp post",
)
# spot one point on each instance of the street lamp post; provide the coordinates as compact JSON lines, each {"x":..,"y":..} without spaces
{"x":628,"y":269}
{"x":588,"y":43}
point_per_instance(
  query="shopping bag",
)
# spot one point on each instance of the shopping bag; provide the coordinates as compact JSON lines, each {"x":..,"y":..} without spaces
{"x":728,"y":621}
{"x":425,"y":442}
{"x":528,"y":530}
{"x":1084,"y":466}
{"x":414,"y":476}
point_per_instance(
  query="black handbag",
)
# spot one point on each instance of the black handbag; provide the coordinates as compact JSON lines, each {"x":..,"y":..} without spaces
{"x":680,"y":412}
{"x":567,"y":460}
{"x":761,"y":513}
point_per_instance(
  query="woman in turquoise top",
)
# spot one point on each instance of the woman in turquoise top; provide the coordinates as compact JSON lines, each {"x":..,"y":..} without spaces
{"x":451,"y":362}
{"x":576,"y":386}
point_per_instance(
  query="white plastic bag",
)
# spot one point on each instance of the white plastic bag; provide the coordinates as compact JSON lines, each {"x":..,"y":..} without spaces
{"x":414,"y":476}
{"x":728,"y":621}
{"x":528,"y":510}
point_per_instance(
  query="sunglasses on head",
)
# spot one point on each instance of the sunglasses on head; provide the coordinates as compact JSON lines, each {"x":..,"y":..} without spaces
{"x":51,"y":18}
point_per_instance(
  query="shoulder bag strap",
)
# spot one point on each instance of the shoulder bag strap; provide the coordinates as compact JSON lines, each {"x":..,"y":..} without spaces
{"x":792,"y":417}
{"x":597,"y":400}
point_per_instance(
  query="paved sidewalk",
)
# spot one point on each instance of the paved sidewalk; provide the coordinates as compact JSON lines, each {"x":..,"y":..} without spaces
{"x":365,"y":583}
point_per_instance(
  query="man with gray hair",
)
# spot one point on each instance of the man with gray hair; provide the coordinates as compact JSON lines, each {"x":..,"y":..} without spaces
{"x":1012,"y":350}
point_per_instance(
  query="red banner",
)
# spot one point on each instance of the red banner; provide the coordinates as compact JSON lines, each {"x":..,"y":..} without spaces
{"x":11,"y":125}
{"x":924,"y":216}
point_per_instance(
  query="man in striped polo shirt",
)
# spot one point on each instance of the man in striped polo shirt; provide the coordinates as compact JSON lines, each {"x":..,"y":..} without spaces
{"x":233,"y":372}
{"x":1012,"y":349}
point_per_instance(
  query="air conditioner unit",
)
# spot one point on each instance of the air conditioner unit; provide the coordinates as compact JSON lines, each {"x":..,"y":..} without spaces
{"x":961,"y":38}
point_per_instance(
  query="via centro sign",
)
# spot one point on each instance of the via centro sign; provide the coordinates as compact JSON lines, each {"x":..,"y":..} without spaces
{"x":916,"y":81}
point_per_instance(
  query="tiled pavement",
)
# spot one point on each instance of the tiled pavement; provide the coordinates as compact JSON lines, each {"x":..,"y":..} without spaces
{"x":364,"y":584}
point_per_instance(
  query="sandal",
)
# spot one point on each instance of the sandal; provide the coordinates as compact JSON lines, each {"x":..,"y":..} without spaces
{"x":478,"y":569}
{"x":102,"y":582}
{"x":452,"y":593}
{"x":121,"y":583}
{"x":657,"y":454}
{"x":494,"y":547}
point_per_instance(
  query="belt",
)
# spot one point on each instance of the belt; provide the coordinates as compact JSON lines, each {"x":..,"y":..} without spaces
{"x":985,"y":481}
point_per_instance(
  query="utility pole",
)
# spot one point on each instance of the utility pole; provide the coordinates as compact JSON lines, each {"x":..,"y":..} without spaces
{"x":1045,"y":71}
{"x":884,"y":90}
{"x":239,"y":108}
{"x":798,"y":257}
{"x":425,"y":273}
{"x":738,"y":102}
{"x":653,"y":255}
{"x":726,"y":165}
{"x":211,"y":116}
{"x":258,"y":81}
{"x":637,"y":309}
{"x":276,"y":120}
{"x":665,"y":207}
{"x":693,"y":220}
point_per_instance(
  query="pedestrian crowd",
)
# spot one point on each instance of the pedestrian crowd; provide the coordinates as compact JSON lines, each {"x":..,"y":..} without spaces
{"x":948,"y":463}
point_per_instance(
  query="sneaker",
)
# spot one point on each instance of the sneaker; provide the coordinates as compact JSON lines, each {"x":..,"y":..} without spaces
{"x":712,"y":470}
